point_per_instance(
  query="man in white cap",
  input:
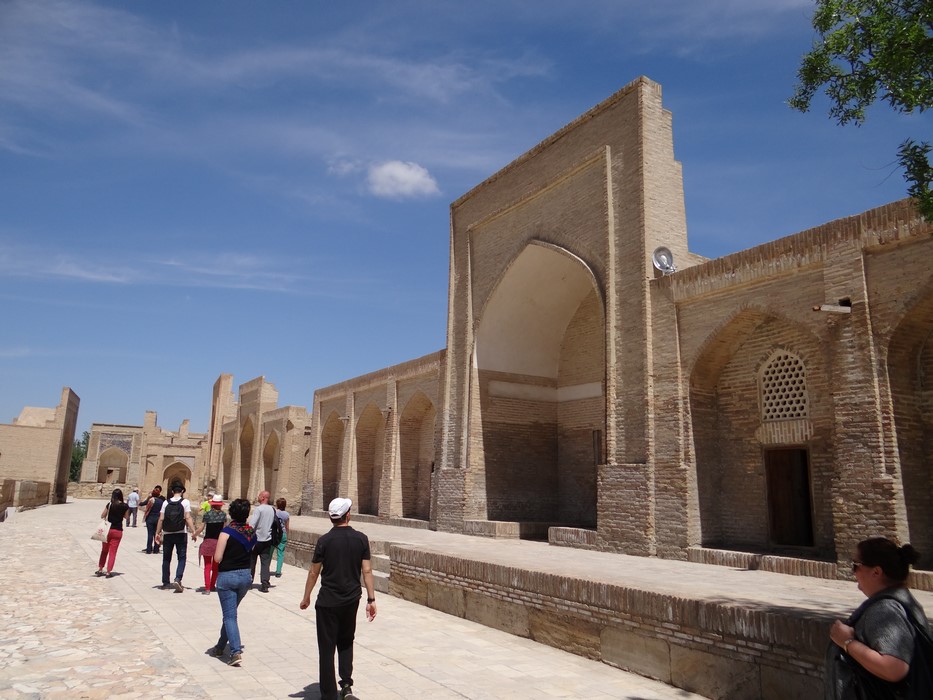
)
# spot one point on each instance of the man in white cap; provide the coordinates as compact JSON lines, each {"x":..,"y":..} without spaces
{"x":340,"y":557}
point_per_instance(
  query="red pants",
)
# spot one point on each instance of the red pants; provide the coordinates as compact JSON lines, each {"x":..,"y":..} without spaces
{"x":210,"y":573}
{"x":108,"y":549}
{"x":206,"y":550}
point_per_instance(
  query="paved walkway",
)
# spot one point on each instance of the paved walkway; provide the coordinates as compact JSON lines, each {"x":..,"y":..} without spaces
{"x":65,"y":633}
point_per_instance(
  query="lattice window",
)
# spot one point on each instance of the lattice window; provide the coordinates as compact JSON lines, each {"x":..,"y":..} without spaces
{"x":784,"y":388}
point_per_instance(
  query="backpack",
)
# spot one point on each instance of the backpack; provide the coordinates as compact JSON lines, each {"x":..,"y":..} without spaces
{"x":278,"y":529}
{"x":174,"y":518}
{"x":919,"y":680}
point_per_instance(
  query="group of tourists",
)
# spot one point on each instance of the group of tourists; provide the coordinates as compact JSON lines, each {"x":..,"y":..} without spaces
{"x":233,"y":542}
{"x":881,"y":651}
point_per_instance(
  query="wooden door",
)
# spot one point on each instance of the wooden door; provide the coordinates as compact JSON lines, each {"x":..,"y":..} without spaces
{"x":789,"y":506}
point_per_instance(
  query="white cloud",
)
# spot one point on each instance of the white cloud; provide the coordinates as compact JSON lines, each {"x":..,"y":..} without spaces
{"x":395,"y":179}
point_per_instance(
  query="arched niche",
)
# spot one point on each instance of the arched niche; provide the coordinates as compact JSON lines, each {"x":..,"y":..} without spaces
{"x":538,"y":396}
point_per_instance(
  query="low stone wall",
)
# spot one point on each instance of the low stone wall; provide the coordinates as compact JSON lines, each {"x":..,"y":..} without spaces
{"x":94,"y":489}
{"x":712,"y":648}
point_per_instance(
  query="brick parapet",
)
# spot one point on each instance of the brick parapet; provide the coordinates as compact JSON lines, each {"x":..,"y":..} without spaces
{"x":882,"y":227}
{"x":587,"y":617}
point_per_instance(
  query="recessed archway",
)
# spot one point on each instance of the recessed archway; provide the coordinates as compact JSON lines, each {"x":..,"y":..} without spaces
{"x":247,"y":436}
{"x":270,"y":463}
{"x":764,"y":474}
{"x":331,"y":457}
{"x":540,"y":368}
{"x":370,"y":445}
{"x":176,"y":473}
{"x":416,"y":449}
{"x":112,"y":466}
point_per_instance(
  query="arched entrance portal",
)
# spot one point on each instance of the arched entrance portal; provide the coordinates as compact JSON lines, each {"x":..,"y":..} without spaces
{"x":176,"y":473}
{"x":112,"y":465}
{"x":540,"y":369}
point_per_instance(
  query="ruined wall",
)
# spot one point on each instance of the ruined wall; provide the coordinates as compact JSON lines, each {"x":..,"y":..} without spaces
{"x":37,"y":447}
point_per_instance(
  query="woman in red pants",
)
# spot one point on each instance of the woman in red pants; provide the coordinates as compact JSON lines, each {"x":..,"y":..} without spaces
{"x":212,"y":522}
{"x":116,"y":512}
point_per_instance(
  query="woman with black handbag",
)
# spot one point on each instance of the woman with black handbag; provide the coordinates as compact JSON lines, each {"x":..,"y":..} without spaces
{"x":872,"y":652}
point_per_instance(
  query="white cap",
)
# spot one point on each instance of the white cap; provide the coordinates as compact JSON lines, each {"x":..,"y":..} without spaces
{"x":339,"y":507}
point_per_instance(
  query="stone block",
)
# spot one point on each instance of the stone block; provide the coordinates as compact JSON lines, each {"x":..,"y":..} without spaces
{"x":496,"y":613}
{"x":446,"y":599}
{"x":648,"y":656}
{"x":574,"y":634}
{"x":410,"y":588}
{"x":714,"y":676}
{"x":778,"y":684}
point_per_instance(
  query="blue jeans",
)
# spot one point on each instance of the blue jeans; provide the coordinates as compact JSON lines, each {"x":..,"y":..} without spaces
{"x":231,"y":587}
{"x":150,"y":536}
{"x":179,"y":542}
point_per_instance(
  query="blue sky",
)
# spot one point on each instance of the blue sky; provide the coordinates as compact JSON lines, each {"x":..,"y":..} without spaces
{"x":258,"y":188}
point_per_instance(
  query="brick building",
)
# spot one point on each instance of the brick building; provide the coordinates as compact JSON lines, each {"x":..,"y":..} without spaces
{"x":141,"y":456}
{"x":776,"y":400}
{"x":255,"y":445}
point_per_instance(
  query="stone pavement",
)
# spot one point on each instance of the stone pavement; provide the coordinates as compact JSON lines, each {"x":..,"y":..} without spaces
{"x":65,"y":633}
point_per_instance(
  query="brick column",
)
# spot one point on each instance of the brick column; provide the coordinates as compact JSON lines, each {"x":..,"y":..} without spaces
{"x":348,"y":481}
{"x":867,"y":493}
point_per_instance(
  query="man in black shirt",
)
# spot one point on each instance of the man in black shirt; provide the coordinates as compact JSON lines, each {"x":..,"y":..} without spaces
{"x":340,"y":557}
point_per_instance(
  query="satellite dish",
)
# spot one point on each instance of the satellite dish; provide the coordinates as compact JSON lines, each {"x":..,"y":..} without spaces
{"x":663,"y":259}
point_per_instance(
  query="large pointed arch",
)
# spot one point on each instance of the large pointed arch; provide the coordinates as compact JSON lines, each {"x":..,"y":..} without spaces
{"x":540,"y":404}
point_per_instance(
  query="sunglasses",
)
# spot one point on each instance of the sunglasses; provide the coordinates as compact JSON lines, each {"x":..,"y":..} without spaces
{"x":856,"y":565}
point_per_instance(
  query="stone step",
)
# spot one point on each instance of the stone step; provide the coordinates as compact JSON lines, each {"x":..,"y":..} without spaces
{"x":381,"y":563}
{"x":381,"y":581}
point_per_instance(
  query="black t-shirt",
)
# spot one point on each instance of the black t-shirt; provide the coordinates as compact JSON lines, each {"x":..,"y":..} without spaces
{"x":341,"y":551}
{"x":115,"y":514}
{"x":237,"y":550}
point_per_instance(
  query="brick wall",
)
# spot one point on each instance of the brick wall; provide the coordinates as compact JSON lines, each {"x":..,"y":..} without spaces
{"x":712,"y":648}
